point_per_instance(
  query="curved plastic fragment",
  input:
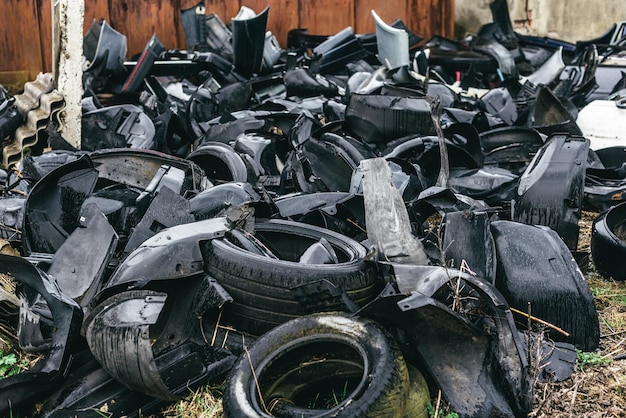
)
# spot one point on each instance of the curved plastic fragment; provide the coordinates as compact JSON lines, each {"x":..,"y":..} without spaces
{"x":393,"y":44}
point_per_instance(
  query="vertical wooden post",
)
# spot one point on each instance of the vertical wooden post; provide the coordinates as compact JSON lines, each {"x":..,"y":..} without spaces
{"x":67,"y":51}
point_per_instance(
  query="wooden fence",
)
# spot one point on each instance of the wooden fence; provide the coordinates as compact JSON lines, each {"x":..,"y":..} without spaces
{"x":25,"y":29}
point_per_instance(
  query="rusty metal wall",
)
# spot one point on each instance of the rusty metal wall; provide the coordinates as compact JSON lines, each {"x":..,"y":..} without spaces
{"x":25,"y":32}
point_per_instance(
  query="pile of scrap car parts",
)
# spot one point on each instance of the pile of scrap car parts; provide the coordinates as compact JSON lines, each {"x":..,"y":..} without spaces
{"x":239,"y":209}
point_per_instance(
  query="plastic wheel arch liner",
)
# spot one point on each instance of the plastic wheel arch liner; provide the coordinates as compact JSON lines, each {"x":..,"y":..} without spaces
{"x":551,"y":189}
{"x":608,"y":246}
{"x":152,"y":260}
{"x":26,"y":388}
{"x":535,"y":266}
{"x":491,"y":368}
{"x":133,"y":338}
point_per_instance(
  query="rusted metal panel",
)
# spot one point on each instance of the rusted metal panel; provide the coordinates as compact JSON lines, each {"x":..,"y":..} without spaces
{"x":226,"y":10}
{"x":95,"y":9}
{"x":139,"y":20}
{"x":20,"y":46}
{"x":282,"y":18}
{"x":44,"y":18}
{"x":326,"y":17}
{"x":388,"y":11}
{"x":431,"y":17}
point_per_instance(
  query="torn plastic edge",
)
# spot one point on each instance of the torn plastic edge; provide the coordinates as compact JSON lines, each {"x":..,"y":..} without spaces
{"x":24,"y":389}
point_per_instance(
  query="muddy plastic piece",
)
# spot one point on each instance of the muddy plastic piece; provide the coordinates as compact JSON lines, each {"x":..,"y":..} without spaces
{"x":490,"y":377}
{"x":11,"y":218}
{"x":132,"y":320}
{"x":179,"y":242}
{"x":376,"y":119}
{"x":167,"y":209}
{"x":550,"y":191}
{"x":535,"y":267}
{"x":248,"y":43}
{"x":91,"y":247}
{"x":386,"y":216}
{"x":468,"y":243}
{"x":549,"y":115}
{"x":608,"y":242}
{"x":23,"y":390}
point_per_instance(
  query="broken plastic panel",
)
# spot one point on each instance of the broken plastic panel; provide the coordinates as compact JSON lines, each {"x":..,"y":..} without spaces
{"x":249,"y":42}
{"x":117,"y":126}
{"x":537,"y":272}
{"x":393,"y":44}
{"x":337,"y":50}
{"x":193,"y":21}
{"x":91,"y":247}
{"x":468,"y":244}
{"x":104,"y":49}
{"x":132,"y":319}
{"x":376,"y":119}
{"x":144,"y":64}
{"x":490,"y":377}
{"x":52,"y":207}
{"x":550,"y":191}
{"x":21,"y":391}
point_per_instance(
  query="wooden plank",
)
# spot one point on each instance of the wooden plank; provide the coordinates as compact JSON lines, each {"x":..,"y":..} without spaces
{"x":20,"y":44}
{"x":388,"y":12}
{"x":326,"y":17}
{"x":282,"y":18}
{"x":139,"y":20}
{"x":226,"y":10}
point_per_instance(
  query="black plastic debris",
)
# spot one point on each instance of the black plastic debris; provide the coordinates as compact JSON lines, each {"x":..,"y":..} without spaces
{"x":550,"y":190}
{"x":537,"y":275}
{"x":608,"y":245}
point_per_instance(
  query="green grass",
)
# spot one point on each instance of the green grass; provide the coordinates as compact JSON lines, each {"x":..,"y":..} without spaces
{"x":585,"y":359}
{"x":10,"y":365}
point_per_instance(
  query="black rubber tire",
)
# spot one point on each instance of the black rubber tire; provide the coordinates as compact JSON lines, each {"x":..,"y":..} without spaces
{"x":261,"y":286}
{"x":312,"y":355}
